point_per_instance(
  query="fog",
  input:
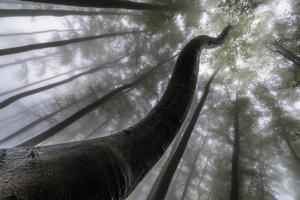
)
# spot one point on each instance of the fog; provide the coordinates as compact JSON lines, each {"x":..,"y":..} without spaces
{"x":259,"y":75}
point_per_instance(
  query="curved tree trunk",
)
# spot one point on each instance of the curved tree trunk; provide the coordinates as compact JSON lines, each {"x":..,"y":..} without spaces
{"x":236,"y":153}
{"x":55,"y":13}
{"x":44,"y":45}
{"x":109,"y":167}
{"x":16,"y":97}
{"x":89,"y":108}
{"x":124,"y":4}
{"x":163,"y":186}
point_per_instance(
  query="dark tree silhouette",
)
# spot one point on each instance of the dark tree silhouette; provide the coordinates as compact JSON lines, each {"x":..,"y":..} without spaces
{"x":235,"y":179}
{"x":162,"y":187}
{"x":44,"y":45}
{"x":56,"y":13}
{"x":37,"y":32}
{"x":194,"y":165}
{"x":16,"y":97}
{"x":18,"y":62}
{"x":124,"y":4}
{"x":108,"y":167}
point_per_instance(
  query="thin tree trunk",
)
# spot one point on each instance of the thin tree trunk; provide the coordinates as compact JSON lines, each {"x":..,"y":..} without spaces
{"x":163,"y":185}
{"x":26,"y":60}
{"x":36,"y":122}
{"x":89,"y":108}
{"x":108,"y":167}
{"x":202,"y":177}
{"x":31,"y":125}
{"x":285,"y":136}
{"x":36,"y":32}
{"x":189,"y":178}
{"x":236,"y":154}
{"x":95,"y":130}
{"x":16,"y":97}
{"x":123,"y":4}
{"x":102,"y":66}
{"x":44,"y":45}
{"x":287,"y":53}
{"x":55,"y":13}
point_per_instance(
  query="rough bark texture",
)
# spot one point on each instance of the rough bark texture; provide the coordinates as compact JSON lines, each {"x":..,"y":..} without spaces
{"x":236,"y":154}
{"x":109,"y":167}
{"x":112,"y":4}
{"x":89,"y":108}
{"x":44,"y":45}
{"x":163,"y":185}
{"x":56,"y":13}
{"x":16,"y":97}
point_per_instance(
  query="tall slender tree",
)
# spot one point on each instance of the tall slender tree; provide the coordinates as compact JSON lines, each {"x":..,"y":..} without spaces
{"x":44,"y":45}
{"x":55,"y":13}
{"x":104,"y":66}
{"x":192,"y":171}
{"x":16,"y":97}
{"x":108,"y":167}
{"x":124,"y":4}
{"x":22,"y":61}
{"x":37,"y":32}
{"x":235,"y":179}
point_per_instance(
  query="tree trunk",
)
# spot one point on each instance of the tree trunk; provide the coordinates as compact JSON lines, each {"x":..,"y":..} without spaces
{"x":287,"y":53}
{"x":284,"y":134}
{"x":44,"y":45}
{"x":35,"y":32}
{"x":16,"y":97}
{"x":26,"y":60}
{"x":194,"y":164}
{"x":36,"y":122}
{"x":104,"y":66}
{"x":236,"y":154}
{"x":109,"y":167}
{"x":189,"y":178}
{"x":123,"y":4}
{"x":202,"y":177}
{"x":163,"y":185}
{"x":55,"y":13}
{"x":89,"y":108}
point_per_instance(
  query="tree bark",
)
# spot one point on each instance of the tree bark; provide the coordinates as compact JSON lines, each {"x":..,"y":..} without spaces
{"x":89,"y":108}
{"x":109,"y":167}
{"x":163,"y":185}
{"x":44,"y":45}
{"x":236,"y":154}
{"x":55,"y":13}
{"x":189,"y":178}
{"x":16,"y":97}
{"x":123,"y":4}
{"x":35,"y":32}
